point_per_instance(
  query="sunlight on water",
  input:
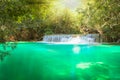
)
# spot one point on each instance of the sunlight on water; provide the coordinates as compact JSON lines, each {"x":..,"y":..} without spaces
{"x":48,"y":61}
{"x":83,"y":65}
{"x":76,"y":49}
{"x":87,"y":64}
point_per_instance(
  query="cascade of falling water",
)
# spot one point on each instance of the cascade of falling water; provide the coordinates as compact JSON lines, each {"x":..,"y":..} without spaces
{"x":89,"y":38}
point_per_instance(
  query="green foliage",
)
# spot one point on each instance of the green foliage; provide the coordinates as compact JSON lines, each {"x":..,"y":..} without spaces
{"x":103,"y":16}
{"x":12,"y":13}
{"x":48,"y":31}
{"x":31,"y":19}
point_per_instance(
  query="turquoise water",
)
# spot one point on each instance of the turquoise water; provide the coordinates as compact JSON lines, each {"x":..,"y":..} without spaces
{"x":43,"y":61}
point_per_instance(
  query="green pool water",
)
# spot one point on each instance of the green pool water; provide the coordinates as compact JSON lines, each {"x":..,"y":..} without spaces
{"x":45,"y":61}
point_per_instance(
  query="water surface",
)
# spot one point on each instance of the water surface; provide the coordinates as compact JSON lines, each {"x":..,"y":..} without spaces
{"x":44,"y":61}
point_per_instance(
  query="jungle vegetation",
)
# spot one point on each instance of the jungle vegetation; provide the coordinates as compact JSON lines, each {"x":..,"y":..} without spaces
{"x":29,"y":20}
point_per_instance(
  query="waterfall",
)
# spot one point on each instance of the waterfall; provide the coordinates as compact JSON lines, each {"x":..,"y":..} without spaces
{"x":72,"y":38}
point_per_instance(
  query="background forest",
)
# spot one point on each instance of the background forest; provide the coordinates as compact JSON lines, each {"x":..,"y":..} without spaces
{"x":29,"y":20}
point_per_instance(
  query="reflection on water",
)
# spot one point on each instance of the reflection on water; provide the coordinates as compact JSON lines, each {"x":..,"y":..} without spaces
{"x":76,"y":49}
{"x":6,"y":48}
{"x":43,"y":61}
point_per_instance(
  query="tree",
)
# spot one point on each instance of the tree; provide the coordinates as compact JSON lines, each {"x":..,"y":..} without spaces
{"x":12,"y":13}
{"x":103,"y":16}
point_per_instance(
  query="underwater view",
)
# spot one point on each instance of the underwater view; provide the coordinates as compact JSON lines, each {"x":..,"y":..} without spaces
{"x":49,"y":61}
